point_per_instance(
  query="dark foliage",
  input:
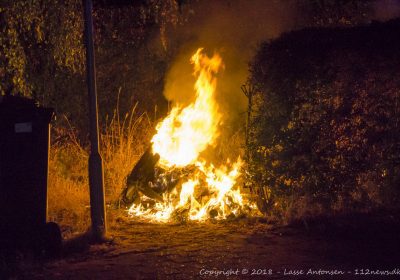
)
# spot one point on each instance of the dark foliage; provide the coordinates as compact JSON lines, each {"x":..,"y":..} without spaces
{"x":324,"y":13}
{"x":42,"y":55}
{"x":325,"y":126}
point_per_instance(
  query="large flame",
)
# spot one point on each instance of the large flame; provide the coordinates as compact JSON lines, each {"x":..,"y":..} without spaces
{"x":180,"y":139}
{"x":186,"y":132}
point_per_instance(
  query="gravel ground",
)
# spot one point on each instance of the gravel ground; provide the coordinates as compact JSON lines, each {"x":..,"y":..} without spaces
{"x":240,"y":249}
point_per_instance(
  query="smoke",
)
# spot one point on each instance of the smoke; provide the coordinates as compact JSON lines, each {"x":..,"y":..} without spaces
{"x":233,"y":29}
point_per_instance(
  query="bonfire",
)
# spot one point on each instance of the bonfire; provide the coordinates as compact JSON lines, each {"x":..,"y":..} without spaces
{"x":173,"y":180}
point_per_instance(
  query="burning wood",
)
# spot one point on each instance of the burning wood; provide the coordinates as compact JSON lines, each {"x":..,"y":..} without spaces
{"x":149,"y":179}
{"x":173,"y":179}
{"x":141,"y":179}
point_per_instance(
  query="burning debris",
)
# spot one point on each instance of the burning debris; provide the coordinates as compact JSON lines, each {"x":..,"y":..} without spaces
{"x":172,"y":181}
{"x":141,"y":179}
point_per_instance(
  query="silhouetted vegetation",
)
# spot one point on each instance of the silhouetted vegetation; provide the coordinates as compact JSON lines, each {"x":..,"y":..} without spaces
{"x":42,"y":55}
{"x":324,"y":135}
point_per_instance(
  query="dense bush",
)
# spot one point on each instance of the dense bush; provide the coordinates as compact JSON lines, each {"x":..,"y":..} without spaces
{"x":42,"y":55}
{"x":324,"y":133}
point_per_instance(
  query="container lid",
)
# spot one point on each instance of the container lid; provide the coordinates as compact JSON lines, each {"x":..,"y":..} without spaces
{"x":16,"y":108}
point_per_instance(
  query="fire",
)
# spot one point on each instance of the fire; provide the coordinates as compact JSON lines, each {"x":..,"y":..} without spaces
{"x":207,"y":191}
{"x":188,"y":131}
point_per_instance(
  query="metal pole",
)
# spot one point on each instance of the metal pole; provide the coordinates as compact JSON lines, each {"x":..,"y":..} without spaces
{"x":97,"y":208}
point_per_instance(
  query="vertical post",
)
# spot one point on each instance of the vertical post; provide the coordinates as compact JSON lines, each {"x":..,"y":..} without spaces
{"x":97,"y":208}
{"x":248,"y":90}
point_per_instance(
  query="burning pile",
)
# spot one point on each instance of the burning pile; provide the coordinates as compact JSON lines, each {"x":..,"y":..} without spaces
{"x":184,"y":184}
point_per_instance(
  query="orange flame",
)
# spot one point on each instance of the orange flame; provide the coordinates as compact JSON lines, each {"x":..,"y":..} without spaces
{"x":180,"y":139}
{"x":186,"y":132}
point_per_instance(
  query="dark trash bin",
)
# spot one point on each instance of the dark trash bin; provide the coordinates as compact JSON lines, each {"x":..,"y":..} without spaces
{"x":24,"y":152}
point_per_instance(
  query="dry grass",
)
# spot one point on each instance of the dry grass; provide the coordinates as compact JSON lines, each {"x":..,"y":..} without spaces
{"x":68,"y":192}
{"x":122,"y":143}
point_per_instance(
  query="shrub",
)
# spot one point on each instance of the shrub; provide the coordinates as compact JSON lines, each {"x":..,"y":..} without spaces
{"x":325,"y":123}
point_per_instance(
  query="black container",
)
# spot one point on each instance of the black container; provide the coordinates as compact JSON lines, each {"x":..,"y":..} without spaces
{"x":24,"y":152}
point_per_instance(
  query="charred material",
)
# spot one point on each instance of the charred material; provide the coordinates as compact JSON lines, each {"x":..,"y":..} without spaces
{"x":150,"y":180}
{"x":148,"y":183}
{"x":141,"y":178}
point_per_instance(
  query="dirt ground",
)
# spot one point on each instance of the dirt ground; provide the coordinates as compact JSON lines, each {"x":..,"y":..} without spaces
{"x":240,"y":249}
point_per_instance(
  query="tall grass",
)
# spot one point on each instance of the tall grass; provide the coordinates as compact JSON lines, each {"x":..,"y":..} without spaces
{"x":68,"y":192}
{"x":123,"y":141}
{"x":122,"y":144}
